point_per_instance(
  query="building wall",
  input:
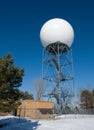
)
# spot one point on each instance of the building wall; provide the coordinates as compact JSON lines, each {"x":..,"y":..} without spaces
{"x":36,"y":109}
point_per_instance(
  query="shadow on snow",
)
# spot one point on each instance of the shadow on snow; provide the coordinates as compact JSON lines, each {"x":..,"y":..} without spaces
{"x":18,"y":124}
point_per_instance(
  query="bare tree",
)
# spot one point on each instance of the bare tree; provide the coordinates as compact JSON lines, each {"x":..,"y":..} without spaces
{"x":40,"y":87}
{"x":86,"y":98}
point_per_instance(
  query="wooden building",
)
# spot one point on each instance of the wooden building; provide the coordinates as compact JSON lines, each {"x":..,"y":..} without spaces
{"x":36,"y":109}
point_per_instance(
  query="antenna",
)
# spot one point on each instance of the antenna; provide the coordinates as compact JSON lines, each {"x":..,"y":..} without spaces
{"x":57,"y":36}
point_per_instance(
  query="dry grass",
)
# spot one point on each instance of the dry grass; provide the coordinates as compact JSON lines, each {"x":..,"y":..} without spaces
{"x":4,"y":114}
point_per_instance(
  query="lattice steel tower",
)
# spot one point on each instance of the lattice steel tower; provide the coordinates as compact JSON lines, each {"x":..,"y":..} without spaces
{"x":57,"y":36}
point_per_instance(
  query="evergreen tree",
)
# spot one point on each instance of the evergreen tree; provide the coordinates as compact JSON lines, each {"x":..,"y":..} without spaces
{"x":10,"y":81}
{"x":26,"y":96}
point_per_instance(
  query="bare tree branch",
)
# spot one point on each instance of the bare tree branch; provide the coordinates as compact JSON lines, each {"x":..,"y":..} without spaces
{"x":40,"y":87}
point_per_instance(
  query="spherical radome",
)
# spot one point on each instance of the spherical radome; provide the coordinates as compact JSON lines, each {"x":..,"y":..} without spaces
{"x":56,"y":30}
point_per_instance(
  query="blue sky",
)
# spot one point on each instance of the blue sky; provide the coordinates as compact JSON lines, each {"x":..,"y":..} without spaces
{"x":20,"y":24}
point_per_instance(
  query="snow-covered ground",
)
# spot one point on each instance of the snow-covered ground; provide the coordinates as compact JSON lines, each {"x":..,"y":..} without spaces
{"x":64,"y":122}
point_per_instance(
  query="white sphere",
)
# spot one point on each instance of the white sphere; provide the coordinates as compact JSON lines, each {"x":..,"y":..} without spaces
{"x":56,"y":30}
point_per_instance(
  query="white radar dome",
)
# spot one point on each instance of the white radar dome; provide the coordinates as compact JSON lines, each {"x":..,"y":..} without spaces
{"x":56,"y":30}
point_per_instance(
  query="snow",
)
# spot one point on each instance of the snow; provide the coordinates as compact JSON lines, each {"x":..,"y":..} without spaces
{"x":63,"y":122}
